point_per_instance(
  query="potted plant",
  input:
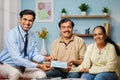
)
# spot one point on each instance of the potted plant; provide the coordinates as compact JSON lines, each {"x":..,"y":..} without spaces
{"x":105,"y":10}
{"x":83,"y":7}
{"x":63,"y":11}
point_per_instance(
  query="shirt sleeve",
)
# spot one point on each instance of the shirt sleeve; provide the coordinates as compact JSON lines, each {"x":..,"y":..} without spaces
{"x":36,"y":56}
{"x":14,"y":52}
{"x":33,"y":52}
{"x":82,"y":48}
{"x":53,"y":51}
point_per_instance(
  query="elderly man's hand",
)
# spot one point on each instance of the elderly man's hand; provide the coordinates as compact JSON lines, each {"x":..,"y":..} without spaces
{"x":69,"y":66}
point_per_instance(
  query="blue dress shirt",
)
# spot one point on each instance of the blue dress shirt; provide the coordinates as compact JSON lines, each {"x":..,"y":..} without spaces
{"x":13,"y":51}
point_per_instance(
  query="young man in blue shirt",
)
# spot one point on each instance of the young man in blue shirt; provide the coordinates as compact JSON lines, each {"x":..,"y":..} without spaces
{"x":15,"y":58}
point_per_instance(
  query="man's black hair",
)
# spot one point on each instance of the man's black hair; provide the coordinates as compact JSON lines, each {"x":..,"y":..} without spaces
{"x":65,"y":20}
{"x":27,"y":11}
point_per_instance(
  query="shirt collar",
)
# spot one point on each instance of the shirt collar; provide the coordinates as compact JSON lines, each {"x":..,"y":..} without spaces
{"x":96,"y":48}
{"x":23,"y":33}
{"x":71,"y":39}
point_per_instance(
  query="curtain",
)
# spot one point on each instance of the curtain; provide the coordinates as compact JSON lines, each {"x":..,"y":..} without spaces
{"x":9,"y":17}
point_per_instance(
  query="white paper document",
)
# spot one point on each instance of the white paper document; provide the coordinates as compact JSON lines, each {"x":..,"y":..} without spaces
{"x":58,"y":64}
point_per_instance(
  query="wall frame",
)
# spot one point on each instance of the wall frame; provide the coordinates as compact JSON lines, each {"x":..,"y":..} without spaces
{"x":44,"y":10}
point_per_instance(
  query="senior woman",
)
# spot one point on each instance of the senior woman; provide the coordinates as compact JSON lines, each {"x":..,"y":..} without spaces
{"x":100,"y":58}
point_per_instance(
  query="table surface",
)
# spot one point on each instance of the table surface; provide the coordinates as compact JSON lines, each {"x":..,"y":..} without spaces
{"x":60,"y":79}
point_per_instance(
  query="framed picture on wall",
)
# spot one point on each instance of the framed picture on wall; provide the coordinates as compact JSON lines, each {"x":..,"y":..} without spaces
{"x":44,"y":10}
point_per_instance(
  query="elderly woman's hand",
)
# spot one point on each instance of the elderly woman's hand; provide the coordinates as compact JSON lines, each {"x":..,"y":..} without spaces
{"x":86,"y":70}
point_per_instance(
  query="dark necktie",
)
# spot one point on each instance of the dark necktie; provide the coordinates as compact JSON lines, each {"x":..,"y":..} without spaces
{"x":1,"y":62}
{"x":25,"y":49}
{"x":25,"y":44}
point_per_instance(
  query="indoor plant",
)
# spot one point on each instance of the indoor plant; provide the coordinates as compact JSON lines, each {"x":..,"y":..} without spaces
{"x":63,"y":11}
{"x":43,"y":35}
{"x":105,"y":10}
{"x":83,"y":7}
